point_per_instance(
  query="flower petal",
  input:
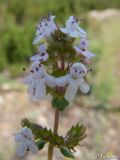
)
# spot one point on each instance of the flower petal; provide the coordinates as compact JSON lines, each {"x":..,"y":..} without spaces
{"x":49,"y":80}
{"x":77,"y":49}
{"x":32,"y":98}
{"x":36,"y":57}
{"x":83,"y":86}
{"x":18,"y":137}
{"x":73,"y":34}
{"x":37,"y":39}
{"x":62,"y":81}
{"x":27,"y":80}
{"x":28,"y":132}
{"x":33,"y":147}
{"x":83,"y":43}
{"x":64,"y":30}
{"x":71,"y":90}
{"x":87,"y":54}
{"x":81,"y":32}
{"x":22,"y":148}
{"x":40,"y":89}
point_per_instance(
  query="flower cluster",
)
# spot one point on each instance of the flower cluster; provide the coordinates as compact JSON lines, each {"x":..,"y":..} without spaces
{"x":60,"y":68}
{"x":73,"y":79}
{"x":33,"y":137}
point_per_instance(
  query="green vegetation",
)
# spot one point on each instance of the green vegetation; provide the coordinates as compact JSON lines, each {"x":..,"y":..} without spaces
{"x":107,"y":76}
{"x":18,"y":18}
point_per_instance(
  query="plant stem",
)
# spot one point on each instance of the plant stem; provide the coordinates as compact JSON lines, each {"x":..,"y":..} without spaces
{"x":56,"y":121}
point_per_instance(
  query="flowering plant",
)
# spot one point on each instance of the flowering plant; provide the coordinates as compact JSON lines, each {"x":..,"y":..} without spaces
{"x":60,"y":68}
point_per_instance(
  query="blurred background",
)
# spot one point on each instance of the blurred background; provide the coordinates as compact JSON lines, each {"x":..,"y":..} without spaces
{"x":99,"y":111}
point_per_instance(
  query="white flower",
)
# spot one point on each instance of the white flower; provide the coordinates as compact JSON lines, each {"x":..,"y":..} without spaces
{"x":25,"y":138}
{"x":81,"y":49}
{"x":72,"y":28}
{"x":74,"y":80}
{"x":37,"y":81}
{"x":42,"y":54}
{"x":45,"y":28}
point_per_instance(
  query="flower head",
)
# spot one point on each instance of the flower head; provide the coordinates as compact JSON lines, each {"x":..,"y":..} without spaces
{"x":45,"y":28}
{"x":74,"y":81}
{"x":81,"y":49}
{"x":72,"y":28}
{"x":37,"y":80}
{"x":25,"y":138}
{"x":42,"y":54}
{"x":77,"y":72}
{"x":83,"y":43}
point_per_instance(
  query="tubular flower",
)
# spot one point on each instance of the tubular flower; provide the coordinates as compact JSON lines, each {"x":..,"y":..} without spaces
{"x":74,"y":81}
{"x":45,"y":28}
{"x":42,"y":54}
{"x":37,"y":81}
{"x":72,"y":28}
{"x":25,"y":138}
{"x":81,"y":49}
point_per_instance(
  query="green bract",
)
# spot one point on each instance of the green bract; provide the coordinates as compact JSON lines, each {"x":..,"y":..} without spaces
{"x":60,"y":102}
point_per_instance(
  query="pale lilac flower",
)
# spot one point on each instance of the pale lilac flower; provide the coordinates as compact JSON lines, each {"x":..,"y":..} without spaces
{"x":42,"y":54}
{"x":45,"y":28}
{"x":37,"y":81}
{"x":73,"y":29}
{"x":81,"y":49}
{"x":74,"y":80}
{"x":51,"y":26}
{"x":25,"y":138}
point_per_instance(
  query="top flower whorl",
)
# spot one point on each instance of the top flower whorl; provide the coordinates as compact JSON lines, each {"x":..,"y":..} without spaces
{"x":59,"y":52}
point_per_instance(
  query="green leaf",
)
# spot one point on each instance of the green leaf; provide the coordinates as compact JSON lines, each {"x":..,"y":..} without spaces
{"x":60,"y":102}
{"x":40,"y":144}
{"x":74,"y":136}
{"x":25,"y":122}
{"x":66,"y":152}
{"x":46,"y":134}
{"x":58,"y":140}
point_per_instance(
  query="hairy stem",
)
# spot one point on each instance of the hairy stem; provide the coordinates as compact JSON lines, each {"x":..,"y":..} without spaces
{"x":56,"y":121}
